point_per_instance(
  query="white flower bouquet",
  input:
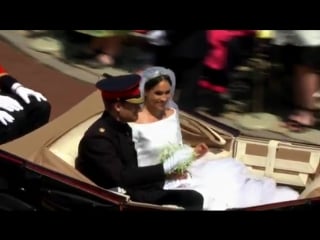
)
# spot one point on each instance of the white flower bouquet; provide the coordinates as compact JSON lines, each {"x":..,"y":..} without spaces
{"x":169,"y":150}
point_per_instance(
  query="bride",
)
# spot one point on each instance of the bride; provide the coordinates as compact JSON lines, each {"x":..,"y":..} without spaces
{"x":224,"y":183}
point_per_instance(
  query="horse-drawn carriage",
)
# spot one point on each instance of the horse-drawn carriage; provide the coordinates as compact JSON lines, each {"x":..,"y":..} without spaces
{"x":37,"y":171}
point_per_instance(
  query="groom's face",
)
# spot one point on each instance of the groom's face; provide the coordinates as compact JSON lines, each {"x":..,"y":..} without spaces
{"x":158,"y":96}
{"x":127,"y":112}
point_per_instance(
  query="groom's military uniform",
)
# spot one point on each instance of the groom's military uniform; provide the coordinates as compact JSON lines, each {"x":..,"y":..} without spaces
{"x":108,"y":157}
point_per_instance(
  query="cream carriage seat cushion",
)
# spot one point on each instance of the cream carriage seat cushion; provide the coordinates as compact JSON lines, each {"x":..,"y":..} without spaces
{"x":66,"y":147}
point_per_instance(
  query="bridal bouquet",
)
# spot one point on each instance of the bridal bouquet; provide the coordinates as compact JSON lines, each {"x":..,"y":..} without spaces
{"x":168,"y":151}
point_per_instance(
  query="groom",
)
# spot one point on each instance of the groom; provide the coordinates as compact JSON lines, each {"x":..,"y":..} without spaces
{"x":107,"y":153}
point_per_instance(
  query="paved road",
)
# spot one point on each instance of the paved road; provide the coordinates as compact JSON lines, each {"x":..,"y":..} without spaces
{"x":62,"y":90}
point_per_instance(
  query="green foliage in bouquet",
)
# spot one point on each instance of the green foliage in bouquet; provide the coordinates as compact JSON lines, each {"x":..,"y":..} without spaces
{"x":168,"y":151}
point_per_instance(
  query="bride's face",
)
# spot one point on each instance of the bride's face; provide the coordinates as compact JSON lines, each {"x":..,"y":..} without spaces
{"x":158,"y":96}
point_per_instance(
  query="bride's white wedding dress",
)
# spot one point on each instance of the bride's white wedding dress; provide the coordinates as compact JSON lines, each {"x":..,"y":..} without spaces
{"x":224,"y":183}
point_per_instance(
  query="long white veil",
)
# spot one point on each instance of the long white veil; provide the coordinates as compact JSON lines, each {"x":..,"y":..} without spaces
{"x":155,"y":71}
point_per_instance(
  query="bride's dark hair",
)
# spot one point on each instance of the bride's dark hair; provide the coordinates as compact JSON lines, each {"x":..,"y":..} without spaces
{"x":154,"y":81}
{"x":152,"y":76}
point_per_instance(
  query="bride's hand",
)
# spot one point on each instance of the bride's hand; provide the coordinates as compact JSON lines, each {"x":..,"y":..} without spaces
{"x":200,"y":150}
{"x":176,"y":175}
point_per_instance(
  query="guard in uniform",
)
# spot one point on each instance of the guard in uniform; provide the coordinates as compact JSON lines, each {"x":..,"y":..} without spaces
{"x":107,"y":153}
{"x":22,"y":110}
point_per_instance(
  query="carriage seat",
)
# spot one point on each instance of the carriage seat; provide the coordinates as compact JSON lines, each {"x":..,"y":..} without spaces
{"x":66,"y":147}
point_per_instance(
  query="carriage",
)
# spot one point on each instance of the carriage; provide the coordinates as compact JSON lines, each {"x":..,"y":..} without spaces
{"x":37,"y":170}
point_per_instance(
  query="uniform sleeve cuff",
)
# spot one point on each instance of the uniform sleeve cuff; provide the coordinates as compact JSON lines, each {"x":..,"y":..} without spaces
{"x":6,"y":82}
{"x":15,"y":86}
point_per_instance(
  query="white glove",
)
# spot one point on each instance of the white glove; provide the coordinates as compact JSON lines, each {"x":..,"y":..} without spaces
{"x":157,"y":37}
{"x":24,"y":93}
{"x":5,"y":118}
{"x":9,"y":104}
{"x":179,"y":157}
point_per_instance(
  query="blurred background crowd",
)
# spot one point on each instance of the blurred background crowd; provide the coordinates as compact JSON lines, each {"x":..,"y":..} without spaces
{"x":238,"y":70}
